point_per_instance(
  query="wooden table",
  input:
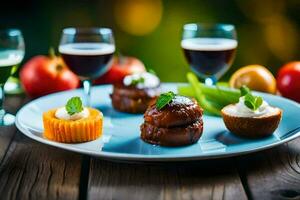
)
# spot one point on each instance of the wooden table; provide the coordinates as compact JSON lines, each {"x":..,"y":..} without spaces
{"x":30,"y":170}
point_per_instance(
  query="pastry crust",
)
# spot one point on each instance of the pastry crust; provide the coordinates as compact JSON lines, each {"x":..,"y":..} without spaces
{"x":68,"y":131}
{"x":252,"y":127}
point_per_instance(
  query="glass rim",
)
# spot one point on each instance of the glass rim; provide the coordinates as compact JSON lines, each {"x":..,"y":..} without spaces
{"x":86,"y":30}
{"x":196,"y":26}
{"x":11,"y":31}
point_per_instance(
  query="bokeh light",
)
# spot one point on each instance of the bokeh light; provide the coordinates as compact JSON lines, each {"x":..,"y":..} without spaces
{"x":279,"y":32}
{"x":138,"y":17}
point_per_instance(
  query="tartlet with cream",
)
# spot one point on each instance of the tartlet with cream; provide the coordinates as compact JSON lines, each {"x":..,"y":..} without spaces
{"x":251,"y":117}
{"x":73,"y":123}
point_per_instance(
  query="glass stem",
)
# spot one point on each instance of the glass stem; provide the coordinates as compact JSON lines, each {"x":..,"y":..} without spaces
{"x":2,"y":111}
{"x":210,"y":81}
{"x":87,"y":86}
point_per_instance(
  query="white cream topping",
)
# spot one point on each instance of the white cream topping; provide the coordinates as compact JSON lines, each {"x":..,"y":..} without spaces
{"x":62,"y":113}
{"x":150,"y":80}
{"x":241,"y":110}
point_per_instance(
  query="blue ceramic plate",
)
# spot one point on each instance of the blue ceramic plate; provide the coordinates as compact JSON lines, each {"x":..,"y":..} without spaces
{"x":121,"y":139}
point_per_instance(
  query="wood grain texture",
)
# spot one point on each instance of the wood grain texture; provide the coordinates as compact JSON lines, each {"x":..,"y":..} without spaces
{"x":274,"y":173}
{"x":35,"y":171}
{"x":6,"y":135}
{"x":193,"y":180}
{"x":12,"y":104}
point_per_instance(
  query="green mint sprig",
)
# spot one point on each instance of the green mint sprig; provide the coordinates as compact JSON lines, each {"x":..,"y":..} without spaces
{"x":151,"y":71}
{"x":134,"y":82}
{"x":74,"y":105}
{"x":251,"y":101}
{"x":164,"y":99}
{"x":244,"y":90}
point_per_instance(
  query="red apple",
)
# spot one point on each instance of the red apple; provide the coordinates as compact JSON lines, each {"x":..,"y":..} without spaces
{"x":288,"y":80}
{"x":43,"y":75}
{"x":121,"y":67}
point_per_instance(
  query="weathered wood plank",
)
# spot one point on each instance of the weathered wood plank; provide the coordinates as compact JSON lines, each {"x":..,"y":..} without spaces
{"x":192,"y":180}
{"x":31,"y":170}
{"x":274,"y":173}
{"x":12,"y":103}
{"x":6,"y":135}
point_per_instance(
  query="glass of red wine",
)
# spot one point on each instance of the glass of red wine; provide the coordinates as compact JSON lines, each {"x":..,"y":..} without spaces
{"x":88,"y":53}
{"x":209,"y":49}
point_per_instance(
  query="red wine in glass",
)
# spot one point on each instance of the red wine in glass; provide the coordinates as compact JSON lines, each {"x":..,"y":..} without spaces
{"x":87,"y":60}
{"x":87,"y":52}
{"x":209,"y":49}
{"x":209,"y":56}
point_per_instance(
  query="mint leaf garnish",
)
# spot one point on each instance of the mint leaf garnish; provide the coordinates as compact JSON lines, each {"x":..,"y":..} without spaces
{"x":137,"y":81}
{"x":74,"y":105}
{"x":258,"y":102}
{"x":244,"y":90}
{"x":151,"y":71}
{"x":251,"y":101}
{"x":164,"y":99}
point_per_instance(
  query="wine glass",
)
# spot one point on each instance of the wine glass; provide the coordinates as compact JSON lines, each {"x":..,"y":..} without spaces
{"x":12,"y":50}
{"x":209,"y":49}
{"x":88,"y":53}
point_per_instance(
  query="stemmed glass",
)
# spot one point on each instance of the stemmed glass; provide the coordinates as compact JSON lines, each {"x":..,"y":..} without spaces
{"x":209,"y":49}
{"x":12,"y":50}
{"x":88,"y":53}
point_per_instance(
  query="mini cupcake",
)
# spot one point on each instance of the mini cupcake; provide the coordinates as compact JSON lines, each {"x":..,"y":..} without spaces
{"x":73,"y":123}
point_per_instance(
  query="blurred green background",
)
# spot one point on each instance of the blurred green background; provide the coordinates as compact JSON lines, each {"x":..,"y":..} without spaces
{"x":268,"y":31}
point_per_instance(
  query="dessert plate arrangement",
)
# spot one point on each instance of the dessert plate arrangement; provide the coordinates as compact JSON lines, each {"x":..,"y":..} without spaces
{"x":121,"y":139}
